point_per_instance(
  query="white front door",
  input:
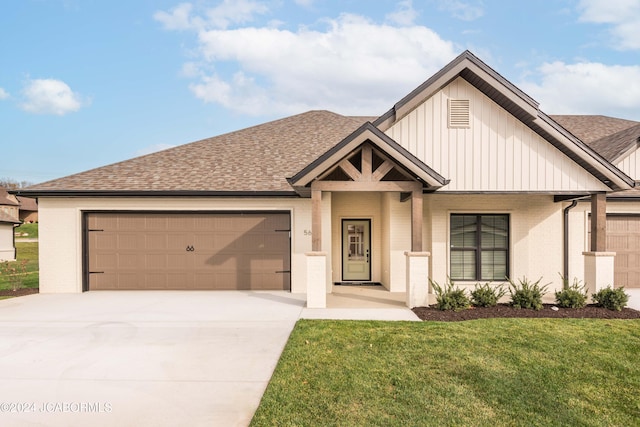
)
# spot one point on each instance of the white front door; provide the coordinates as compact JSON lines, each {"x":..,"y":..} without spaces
{"x":356,"y":250}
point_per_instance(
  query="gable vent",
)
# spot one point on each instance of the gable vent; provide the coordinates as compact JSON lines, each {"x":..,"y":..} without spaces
{"x":459,"y":113}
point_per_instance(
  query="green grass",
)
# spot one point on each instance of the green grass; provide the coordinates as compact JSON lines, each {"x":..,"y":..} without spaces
{"x":31,"y":229}
{"x":28,"y":251}
{"x":491,"y":372}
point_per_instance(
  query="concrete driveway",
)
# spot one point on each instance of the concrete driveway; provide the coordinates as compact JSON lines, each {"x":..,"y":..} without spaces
{"x":140,"y":358}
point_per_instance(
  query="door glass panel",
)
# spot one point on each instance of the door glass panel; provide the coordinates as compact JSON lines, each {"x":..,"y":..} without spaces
{"x":356,"y":242}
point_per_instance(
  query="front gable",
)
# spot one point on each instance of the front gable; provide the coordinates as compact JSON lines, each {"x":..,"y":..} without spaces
{"x":368,"y":160}
{"x":506,"y":145}
{"x":495,"y":152}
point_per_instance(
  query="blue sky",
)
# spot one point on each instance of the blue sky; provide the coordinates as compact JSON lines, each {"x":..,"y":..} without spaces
{"x":85,"y":83}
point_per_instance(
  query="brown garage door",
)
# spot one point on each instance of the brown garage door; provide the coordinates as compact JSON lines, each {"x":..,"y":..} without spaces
{"x":187,"y":251}
{"x":623,"y":238}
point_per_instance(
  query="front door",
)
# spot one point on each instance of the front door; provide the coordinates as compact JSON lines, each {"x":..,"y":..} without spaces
{"x":356,"y":250}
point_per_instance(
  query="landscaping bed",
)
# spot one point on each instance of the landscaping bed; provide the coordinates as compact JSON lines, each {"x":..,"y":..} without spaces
{"x":17,"y":293}
{"x":506,"y":311}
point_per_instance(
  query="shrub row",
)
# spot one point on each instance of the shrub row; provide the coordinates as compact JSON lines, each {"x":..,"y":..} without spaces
{"x":524,"y":294}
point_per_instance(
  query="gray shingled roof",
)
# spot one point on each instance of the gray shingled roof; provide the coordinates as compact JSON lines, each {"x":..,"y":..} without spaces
{"x":258,"y":158}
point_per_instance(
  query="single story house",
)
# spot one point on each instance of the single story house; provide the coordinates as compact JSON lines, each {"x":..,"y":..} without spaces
{"x":8,"y":221}
{"x":465,"y":177}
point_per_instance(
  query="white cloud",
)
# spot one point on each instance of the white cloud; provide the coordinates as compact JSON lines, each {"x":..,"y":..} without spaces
{"x":222,"y":16}
{"x":622,"y":15}
{"x":178,"y":18}
{"x":351,"y":66}
{"x":3,"y":94}
{"x":50,"y":96}
{"x":404,"y":15}
{"x":468,"y":10}
{"x":153,"y":149}
{"x":587,"y":88}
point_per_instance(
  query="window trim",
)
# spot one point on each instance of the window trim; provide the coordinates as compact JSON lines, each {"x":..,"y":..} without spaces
{"x":478,"y":249}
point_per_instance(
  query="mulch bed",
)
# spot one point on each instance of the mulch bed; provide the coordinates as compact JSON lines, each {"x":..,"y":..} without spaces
{"x":506,"y":311}
{"x":18,"y":293}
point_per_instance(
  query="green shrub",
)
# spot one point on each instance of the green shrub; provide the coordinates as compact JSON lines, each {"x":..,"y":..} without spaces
{"x":571,"y":296}
{"x":450,"y":297}
{"x":486,"y":295}
{"x":613,"y":299}
{"x":527,"y":294}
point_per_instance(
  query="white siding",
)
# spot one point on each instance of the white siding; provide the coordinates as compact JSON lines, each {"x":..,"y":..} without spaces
{"x":497,"y":153}
{"x":61,"y":232}
{"x":631,"y":165}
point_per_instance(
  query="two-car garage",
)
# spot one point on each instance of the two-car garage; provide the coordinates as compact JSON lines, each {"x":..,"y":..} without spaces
{"x":187,"y":250}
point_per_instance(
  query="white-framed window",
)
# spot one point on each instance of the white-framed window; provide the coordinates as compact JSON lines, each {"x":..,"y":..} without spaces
{"x":479,"y":247}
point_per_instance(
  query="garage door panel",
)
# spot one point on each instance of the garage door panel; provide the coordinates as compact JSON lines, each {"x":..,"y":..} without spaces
{"x":623,"y":238}
{"x":228,"y":250}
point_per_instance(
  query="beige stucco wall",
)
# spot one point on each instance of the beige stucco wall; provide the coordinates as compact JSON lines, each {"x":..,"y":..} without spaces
{"x":535,"y":232}
{"x":61,"y":232}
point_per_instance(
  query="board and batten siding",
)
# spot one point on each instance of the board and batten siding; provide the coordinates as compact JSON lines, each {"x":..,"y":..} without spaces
{"x":496,"y":152}
{"x":631,"y":165}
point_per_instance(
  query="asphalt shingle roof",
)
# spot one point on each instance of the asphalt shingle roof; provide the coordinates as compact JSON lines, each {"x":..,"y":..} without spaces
{"x":592,"y":128}
{"x":259,"y":158}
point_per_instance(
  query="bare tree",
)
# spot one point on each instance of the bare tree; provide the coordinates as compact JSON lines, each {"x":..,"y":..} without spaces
{"x":12,"y":184}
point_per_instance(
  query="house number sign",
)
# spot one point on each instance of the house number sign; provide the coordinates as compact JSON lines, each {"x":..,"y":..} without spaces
{"x":190,"y":248}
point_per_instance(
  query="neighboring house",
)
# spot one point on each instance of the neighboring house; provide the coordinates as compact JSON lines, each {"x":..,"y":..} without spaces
{"x":8,"y":220}
{"x":464,"y":177}
{"x":28,"y":210}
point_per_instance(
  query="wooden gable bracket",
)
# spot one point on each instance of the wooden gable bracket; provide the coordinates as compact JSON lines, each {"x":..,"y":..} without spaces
{"x":368,"y":177}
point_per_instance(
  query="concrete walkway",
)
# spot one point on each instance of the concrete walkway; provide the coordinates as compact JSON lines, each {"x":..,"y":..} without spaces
{"x":146,"y":358}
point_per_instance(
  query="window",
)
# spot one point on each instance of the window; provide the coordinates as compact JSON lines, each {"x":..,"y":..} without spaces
{"x":479,"y":247}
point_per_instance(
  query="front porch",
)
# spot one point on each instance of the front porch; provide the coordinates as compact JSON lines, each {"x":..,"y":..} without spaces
{"x":364,"y":296}
{"x":362,"y":303}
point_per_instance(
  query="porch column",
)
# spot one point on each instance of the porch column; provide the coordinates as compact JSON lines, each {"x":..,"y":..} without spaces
{"x":599,"y":222}
{"x":316,"y":219}
{"x":416,"y":219}
{"x":417,"y":293}
{"x":316,"y":279}
{"x":598,"y":263}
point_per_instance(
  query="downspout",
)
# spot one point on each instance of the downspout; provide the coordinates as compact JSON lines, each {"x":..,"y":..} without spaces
{"x":565,"y":241}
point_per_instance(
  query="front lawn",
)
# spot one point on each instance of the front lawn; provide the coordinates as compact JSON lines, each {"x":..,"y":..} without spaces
{"x":26,"y":251}
{"x":490,"y":372}
{"x":27,"y":230}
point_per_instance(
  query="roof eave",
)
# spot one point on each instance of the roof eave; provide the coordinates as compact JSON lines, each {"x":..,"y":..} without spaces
{"x":152,"y":193}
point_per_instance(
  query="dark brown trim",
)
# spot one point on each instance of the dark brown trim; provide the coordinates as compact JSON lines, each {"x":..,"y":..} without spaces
{"x":392,"y":144}
{"x":150,"y":193}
